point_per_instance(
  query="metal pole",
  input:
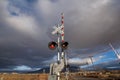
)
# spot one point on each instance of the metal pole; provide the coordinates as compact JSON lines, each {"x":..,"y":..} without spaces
{"x":58,"y":75}
{"x":115,"y":51}
{"x":58,"y":48}
{"x":62,"y":25}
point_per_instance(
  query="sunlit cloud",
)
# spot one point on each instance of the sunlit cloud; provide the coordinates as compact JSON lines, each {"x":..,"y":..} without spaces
{"x":100,"y":3}
{"x":49,"y":61}
{"x":24,"y":24}
{"x":22,"y":68}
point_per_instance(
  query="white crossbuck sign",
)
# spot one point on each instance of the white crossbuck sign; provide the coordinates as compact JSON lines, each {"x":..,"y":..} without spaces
{"x":57,"y":30}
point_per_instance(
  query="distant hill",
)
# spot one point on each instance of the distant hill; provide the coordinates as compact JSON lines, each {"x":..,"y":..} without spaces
{"x":42,"y":70}
{"x":47,"y":69}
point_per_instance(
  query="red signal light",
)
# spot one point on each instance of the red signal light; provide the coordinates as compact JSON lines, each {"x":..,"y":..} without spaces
{"x":52,"y":45}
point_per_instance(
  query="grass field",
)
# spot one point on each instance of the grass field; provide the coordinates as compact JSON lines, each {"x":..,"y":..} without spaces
{"x":82,"y":75}
{"x":15,"y":76}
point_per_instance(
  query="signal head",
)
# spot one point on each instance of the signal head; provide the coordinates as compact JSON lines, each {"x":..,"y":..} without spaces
{"x":64,"y":45}
{"x":52,"y":45}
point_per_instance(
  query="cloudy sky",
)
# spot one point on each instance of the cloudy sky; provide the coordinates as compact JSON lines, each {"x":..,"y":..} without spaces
{"x":26,"y":25}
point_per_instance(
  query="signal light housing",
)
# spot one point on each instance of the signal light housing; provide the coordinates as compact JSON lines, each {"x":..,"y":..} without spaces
{"x":64,"y":45}
{"x":52,"y":45}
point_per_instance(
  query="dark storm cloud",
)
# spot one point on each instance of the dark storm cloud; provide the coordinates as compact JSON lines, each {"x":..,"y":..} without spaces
{"x":90,"y":24}
{"x":95,"y":26}
{"x":18,"y":46}
{"x":25,"y":27}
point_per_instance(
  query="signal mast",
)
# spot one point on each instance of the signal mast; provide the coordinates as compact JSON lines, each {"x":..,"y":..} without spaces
{"x":61,"y":45}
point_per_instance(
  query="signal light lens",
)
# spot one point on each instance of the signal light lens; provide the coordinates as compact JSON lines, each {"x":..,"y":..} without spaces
{"x":52,"y":45}
{"x":64,"y":45}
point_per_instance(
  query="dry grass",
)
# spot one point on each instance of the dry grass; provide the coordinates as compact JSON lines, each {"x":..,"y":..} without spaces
{"x":23,"y":76}
{"x":113,"y":75}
